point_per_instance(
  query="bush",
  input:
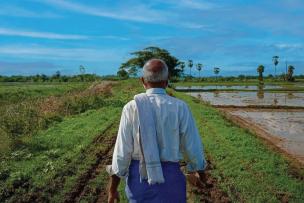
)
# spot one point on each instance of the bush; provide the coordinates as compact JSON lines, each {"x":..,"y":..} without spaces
{"x":28,"y":117}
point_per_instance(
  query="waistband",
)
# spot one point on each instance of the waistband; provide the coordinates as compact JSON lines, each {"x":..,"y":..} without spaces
{"x":163,"y":163}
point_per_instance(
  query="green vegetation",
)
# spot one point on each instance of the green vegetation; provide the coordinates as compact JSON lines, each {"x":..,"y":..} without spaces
{"x":247,"y":169}
{"x":49,"y":163}
{"x":142,"y":56}
{"x":65,"y":160}
{"x":16,"y":92}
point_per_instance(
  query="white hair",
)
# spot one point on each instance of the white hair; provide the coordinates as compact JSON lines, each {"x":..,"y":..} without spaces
{"x":150,"y":76}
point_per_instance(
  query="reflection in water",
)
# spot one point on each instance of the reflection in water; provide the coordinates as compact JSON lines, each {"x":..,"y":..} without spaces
{"x":199,"y":96}
{"x":260,"y":92}
{"x":275,"y":100}
{"x":290,"y":95}
{"x":251,"y":98}
{"x":225,"y":87}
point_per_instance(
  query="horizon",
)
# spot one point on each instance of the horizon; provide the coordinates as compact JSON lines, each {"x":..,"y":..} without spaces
{"x":42,"y":37}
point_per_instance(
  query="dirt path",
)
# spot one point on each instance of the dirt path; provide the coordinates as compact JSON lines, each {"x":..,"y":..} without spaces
{"x":208,"y":192}
{"x":103,"y":157}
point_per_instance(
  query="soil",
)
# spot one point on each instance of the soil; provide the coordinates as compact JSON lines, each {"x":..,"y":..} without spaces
{"x":103,"y":158}
{"x":208,"y":190}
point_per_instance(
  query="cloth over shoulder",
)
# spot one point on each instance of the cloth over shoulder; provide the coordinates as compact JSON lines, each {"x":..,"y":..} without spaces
{"x":150,"y":166}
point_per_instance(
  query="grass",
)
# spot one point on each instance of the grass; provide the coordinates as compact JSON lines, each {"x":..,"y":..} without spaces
{"x":245,"y":167}
{"x":16,"y":92}
{"x":48,"y":164}
{"x":50,"y":152}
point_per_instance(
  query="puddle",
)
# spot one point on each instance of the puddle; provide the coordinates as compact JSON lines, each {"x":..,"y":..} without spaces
{"x":226,"y":87}
{"x":251,"y":98}
{"x":287,"y":126}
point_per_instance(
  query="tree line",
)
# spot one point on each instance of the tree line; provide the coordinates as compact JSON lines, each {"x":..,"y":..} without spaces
{"x":177,"y":67}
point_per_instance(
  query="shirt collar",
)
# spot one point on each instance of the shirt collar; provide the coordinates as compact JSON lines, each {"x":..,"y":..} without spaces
{"x":156,"y":91}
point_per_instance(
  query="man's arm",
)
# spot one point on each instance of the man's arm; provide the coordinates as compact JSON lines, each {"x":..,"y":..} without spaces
{"x":191,"y":143}
{"x":113,"y":193}
{"x":122,"y":153}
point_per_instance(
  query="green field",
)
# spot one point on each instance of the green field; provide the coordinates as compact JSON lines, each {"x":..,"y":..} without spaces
{"x":65,"y":160}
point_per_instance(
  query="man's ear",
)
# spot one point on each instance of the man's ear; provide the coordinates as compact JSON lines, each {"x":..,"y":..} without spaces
{"x":143,"y":82}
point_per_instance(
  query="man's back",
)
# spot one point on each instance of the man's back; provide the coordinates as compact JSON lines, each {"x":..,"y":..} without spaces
{"x":154,"y":132}
{"x":175,"y":128}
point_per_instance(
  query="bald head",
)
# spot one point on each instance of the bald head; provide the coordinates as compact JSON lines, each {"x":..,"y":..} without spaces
{"x":155,"y":70}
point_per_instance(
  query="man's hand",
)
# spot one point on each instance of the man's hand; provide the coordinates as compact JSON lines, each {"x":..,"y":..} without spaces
{"x":197,"y":178}
{"x":113,"y":193}
{"x":112,"y":196}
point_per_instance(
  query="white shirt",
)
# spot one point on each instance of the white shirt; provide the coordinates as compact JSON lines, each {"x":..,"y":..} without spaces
{"x":177,"y":134}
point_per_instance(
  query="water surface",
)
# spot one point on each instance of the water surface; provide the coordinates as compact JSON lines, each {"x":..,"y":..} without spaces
{"x":251,"y":98}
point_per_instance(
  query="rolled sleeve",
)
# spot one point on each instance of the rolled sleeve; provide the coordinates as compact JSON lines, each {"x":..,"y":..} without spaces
{"x":191,"y":143}
{"x":123,"y":147}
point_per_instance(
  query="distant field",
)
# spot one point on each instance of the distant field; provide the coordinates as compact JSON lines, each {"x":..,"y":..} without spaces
{"x":64,"y":161}
{"x":16,"y":92}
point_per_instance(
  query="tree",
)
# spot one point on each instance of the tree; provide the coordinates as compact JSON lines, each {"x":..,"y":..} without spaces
{"x":190,"y":65}
{"x":142,"y":56}
{"x":182,"y":66}
{"x":275,"y":60}
{"x":82,"y":72}
{"x":290,"y":73}
{"x":216,"y":71}
{"x":199,"y":67}
{"x":260,"y":70}
{"x":122,"y":74}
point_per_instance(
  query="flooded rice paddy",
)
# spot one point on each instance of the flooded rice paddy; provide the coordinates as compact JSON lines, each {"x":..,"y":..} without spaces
{"x":227,"y":87}
{"x":277,"y":117}
{"x":289,"y":99}
{"x":285,"y":128}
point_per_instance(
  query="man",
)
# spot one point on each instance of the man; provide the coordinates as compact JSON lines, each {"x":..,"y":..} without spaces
{"x":156,"y":131}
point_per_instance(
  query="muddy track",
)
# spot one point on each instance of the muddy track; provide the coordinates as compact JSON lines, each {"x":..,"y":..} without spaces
{"x":102,"y":158}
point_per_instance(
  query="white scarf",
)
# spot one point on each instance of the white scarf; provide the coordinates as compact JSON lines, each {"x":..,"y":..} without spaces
{"x":150,"y":166}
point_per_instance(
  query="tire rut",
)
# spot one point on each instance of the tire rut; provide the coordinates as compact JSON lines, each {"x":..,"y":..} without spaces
{"x":102,"y":158}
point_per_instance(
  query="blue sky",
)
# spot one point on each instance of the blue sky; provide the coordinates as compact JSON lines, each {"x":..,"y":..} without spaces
{"x":43,"y":36}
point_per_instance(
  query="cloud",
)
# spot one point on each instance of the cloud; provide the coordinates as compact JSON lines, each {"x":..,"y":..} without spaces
{"x":63,"y":54}
{"x":289,"y":46}
{"x":11,"y":10}
{"x":194,"y":4}
{"x":45,"y":35}
{"x":139,"y":13}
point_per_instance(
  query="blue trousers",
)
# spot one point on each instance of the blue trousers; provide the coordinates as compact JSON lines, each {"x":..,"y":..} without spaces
{"x":173,"y":190}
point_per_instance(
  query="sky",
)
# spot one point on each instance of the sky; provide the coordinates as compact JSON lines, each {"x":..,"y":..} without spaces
{"x":44,"y":36}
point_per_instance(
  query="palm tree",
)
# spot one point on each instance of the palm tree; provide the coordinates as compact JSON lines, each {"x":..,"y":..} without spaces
{"x":216,"y":71}
{"x":190,"y":65}
{"x":82,"y":72}
{"x":182,"y":66}
{"x":290,"y":73}
{"x":199,"y":67}
{"x":260,"y":70}
{"x":275,"y":60}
